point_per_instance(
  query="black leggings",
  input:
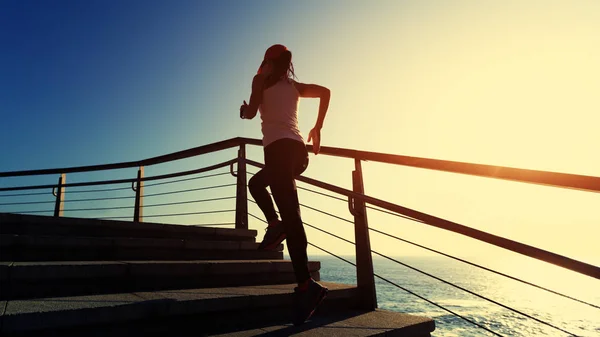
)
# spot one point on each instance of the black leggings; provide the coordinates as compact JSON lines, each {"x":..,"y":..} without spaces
{"x":284,"y":160}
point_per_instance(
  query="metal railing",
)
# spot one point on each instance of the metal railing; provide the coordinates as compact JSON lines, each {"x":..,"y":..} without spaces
{"x":358,"y":204}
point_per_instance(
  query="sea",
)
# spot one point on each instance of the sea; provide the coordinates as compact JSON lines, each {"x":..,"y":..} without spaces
{"x":575,"y":318}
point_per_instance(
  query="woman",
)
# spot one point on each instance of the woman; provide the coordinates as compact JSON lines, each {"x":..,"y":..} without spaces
{"x":276,"y":95}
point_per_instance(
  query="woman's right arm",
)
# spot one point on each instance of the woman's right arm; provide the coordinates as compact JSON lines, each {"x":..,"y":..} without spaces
{"x":316,"y":91}
{"x":313,"y":90}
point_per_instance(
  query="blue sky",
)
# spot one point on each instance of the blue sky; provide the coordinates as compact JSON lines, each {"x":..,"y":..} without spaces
{"x":104,"y":82}
{"x":512,"y":83}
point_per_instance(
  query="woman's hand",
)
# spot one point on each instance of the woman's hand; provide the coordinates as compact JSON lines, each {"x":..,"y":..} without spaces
{"x":315,"y":136}
{"x":243,"y":108}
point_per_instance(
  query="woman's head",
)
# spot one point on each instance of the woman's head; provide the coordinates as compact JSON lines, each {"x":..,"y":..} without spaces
{"x":277,"y":62}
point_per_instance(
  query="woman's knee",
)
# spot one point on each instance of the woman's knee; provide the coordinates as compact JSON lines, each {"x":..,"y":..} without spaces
{"x":252,"y":184}
{"x":255,"y":184}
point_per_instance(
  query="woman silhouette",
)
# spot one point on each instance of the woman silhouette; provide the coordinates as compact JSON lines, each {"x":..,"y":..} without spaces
{"x":276,"y":94}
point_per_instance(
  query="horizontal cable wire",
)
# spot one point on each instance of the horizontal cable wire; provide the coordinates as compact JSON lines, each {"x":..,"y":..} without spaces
{"x":331,"y":215}
{"x":188,"y":202}
{"x":97,"y":199}
{"x":116,"y":217}
{"x":485,"y":268}
{"x":97,"y":209}
{"x":27,"y":203}
{"x":326,"y":232}
{"x":322,"y":230}
{"x":317,"y":210}
{"x":126,"y":207}
{"x":146,"y":195}
{"x":189,"y":190}
{"x":303,"y":188}
{"x":69,"y":191}
{"x":449,"y":283}
{"x":216,"y":224}
{"x":433,"y":303}
{"x":23,"y":194}
{"x":370,"y":207}
{"x":458,"y":259}
{"x":455,"y":258}
{"x":306,"y":189}
{"x":129,"y":207}
{"x":474,"y":293}
{"x":517,"y":247}
{"x":497,"y":303}
{"x":321,"y":193}
{"x":326,"y":213}
{"x":186,"y":179}
{"x":192,"y":213}
{"x":345,"y":200}
{"x":33,"y":212}
{"x":257,"y":218}
{"x":175,"y":214}
{"x":412,"y":293}
{"x":119,"y":181}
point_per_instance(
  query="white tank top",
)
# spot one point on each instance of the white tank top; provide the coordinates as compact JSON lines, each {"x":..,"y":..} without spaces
{"x":279,"y":112}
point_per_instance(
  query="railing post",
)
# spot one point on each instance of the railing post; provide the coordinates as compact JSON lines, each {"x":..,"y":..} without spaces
{"x":364,"y":260}
{"x":59,"y":205}
{"x":241,"y":200}
{"x":138,"y":214}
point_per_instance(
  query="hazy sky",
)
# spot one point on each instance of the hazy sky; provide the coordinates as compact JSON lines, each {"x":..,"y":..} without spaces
{"x":511,"y":83}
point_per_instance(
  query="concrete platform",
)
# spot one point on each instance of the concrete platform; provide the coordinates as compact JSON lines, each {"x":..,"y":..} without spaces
{"x":23,"y":316}
{"x":347,"y":324}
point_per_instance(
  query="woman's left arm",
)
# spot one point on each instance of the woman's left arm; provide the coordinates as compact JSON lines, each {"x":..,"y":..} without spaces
{"x":251,"y":109}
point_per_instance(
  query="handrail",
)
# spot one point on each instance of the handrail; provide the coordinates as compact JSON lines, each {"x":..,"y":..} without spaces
{"x":586,"y":183}
{"x":555,"y":179}
{"x":226,"y":144}
{"x":546,"y":178}
{"x":498,"y":241}
{"x":122,"y":181}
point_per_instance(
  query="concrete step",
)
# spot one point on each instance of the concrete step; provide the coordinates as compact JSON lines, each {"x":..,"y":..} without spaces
{"x":20,"y":280}
{"x":197,"y":311}
{"x":63,"y":226}
{"x":63,"y":248}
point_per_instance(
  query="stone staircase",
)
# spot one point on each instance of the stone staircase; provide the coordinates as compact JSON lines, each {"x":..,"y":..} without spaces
{"x":75,"y":277}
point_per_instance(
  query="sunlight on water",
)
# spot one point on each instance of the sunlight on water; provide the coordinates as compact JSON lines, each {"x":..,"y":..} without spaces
{"x":574,"y":317}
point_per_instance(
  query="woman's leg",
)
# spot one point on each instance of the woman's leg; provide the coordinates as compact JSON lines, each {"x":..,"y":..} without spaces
{"x":282,"y":159}
{"x":258,"y":189}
